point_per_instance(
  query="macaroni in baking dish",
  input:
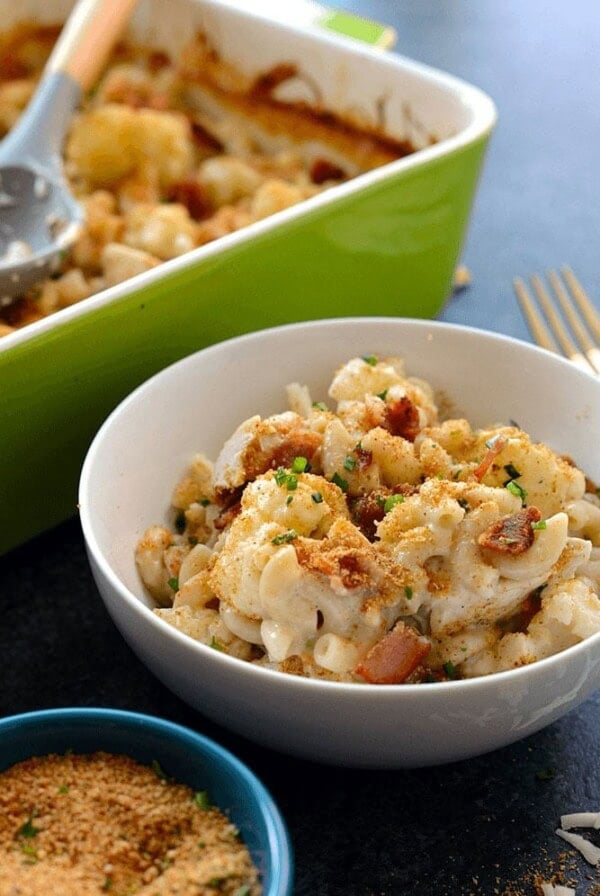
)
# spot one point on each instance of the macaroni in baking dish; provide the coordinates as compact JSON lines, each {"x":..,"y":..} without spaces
{"x":167,"y":155}
{"x":367,"y":540}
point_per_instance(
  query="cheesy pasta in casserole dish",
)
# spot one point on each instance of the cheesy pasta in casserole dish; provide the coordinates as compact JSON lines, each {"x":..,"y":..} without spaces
{"x":369,"y":540}
{"x":169,"y":154}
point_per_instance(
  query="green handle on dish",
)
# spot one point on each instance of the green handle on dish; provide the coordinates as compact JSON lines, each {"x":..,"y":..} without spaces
{"x":366,"y":30}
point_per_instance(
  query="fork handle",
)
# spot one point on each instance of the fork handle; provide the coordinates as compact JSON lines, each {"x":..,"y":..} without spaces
{"x":87,"y":39}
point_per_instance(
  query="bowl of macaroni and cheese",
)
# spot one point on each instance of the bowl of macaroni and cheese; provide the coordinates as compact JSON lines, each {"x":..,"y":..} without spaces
{"x":361,"y":541}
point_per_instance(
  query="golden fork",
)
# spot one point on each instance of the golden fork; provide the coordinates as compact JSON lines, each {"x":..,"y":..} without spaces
{"x":579,"y":337}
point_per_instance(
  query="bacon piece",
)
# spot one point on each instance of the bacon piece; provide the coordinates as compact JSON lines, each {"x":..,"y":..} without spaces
{"x":227,"y":516}
{"x":204,"y":139}
{"x":322,"y":170}
{"x":340,"y":563}
{"x":366,"y":512}
{"x":364,"y":458}
{"x":157,"y":60}
{"x":530,"y":606}
{"x":298,"y":444}
{"x":193,"y":196}
{"x":396,"y":656}
{"x":12,"y":68}
{"x":401,"y":418}
{"x":496,"y":447}
{"x":513,"y":534}
{"x":266,"y":83}
{"x":20,"y":312}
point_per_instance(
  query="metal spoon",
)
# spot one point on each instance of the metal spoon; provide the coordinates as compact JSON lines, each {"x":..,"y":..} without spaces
{"x":39,"y":217}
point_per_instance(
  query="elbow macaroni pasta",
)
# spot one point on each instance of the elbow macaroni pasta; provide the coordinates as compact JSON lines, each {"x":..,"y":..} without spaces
{"x":372,"y":541}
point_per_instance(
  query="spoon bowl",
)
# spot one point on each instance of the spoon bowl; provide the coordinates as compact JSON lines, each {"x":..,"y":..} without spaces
{"x":39,"y":217}
{"x":40,"y":220}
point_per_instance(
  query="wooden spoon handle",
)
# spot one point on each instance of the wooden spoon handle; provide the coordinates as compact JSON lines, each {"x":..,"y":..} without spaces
{"x":88,"y":37}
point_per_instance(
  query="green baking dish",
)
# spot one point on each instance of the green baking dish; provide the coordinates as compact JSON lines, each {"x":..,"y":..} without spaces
{"x":385,"y":243}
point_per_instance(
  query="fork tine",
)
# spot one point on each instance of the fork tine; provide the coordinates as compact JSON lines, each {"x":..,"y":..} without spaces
{"x":539,"y":330}
{"x":556,"y":325}
{"x":591,"y":352}
{"x":584,"y":303}
{"x":548,"y":327}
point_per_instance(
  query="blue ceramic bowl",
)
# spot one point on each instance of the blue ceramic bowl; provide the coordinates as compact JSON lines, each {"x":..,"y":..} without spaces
{"x":189,"y":757}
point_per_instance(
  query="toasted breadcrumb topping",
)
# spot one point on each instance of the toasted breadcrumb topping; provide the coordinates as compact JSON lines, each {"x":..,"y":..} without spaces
{"x":103,"y":823}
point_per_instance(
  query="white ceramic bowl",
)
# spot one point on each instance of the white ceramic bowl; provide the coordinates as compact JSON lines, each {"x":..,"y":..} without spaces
{"x":194,"y":405}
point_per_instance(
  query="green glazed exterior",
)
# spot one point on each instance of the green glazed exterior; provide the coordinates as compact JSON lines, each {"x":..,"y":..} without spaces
{"x":388,"y":249}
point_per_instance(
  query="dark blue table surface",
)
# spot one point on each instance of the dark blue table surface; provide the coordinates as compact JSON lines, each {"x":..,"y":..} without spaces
{"x":480,"y":827}
{"x":538,"y":204}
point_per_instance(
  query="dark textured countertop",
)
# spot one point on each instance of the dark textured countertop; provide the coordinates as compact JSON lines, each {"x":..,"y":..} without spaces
{"x":483,"y":826}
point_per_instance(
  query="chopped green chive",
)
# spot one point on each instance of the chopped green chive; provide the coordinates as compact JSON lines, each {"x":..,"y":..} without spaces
{"x":202,"y":800}
{"x":350,"y":463}
{"x":408,"y":592}
{"x":282,"y":477}
{"x":340,"y":482}
{"x":317,"y":497}
{"x":541,"y":524}
{"x":285,"y":537}
{"x":299,"y":465}
{"x":319,"y":405}
{"x":391,"y":502}
{"x":512,"y":471}
{"x":216,"y":645}
{"x":515,"y":489}
{"x":382,"y":395}
{"x":450,"y":669}
{"x":244,"y":890}
{"x":156,"y":768}
{"x":204,"y":502}
{"x":173,"y":584}
{"x":371,"y":360}
{"x":180,"y":522}
{"x":28,"y":830}
{"x":63,"y":789}
{"x":289,"y":499}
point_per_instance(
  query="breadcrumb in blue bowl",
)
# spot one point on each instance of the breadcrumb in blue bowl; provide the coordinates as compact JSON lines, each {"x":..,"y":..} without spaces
{"x":181,"y":754}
